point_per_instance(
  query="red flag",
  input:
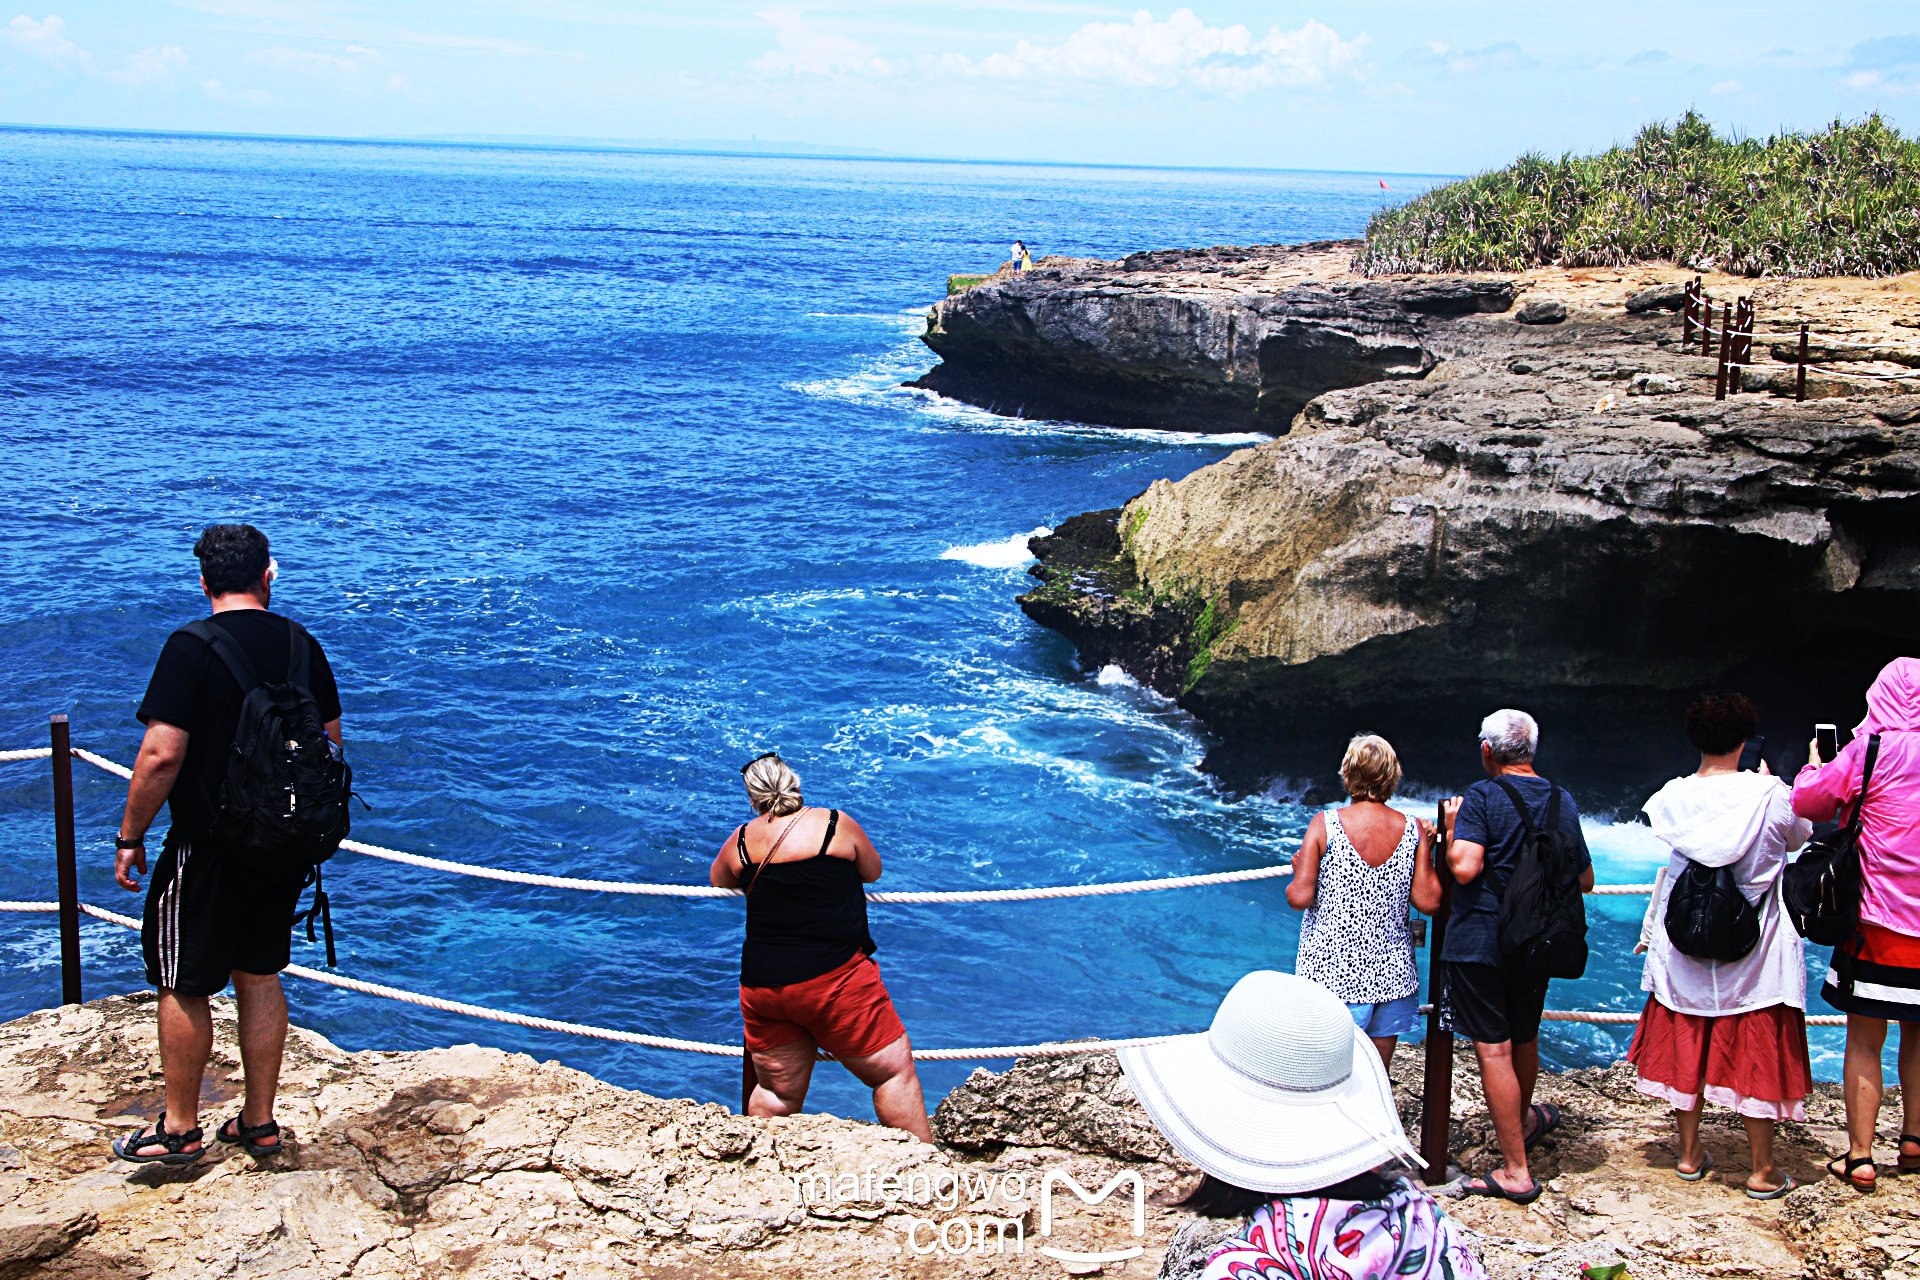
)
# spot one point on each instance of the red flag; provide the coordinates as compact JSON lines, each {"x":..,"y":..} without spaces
{"x":1384,"y":186}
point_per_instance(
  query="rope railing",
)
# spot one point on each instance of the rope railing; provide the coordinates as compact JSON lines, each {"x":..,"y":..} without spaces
{"x":897,"y":897}
{"x":1052,"y":1048}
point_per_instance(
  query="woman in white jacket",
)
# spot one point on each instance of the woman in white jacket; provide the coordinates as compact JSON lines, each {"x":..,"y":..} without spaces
{"x":1733,"y":1031}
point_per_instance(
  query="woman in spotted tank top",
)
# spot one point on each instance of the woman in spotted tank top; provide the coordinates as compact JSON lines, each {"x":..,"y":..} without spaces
{"x":1356,"y":873}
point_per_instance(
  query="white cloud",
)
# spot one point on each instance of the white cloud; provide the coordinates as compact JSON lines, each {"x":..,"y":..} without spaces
{"x":251,"y":97}
{"x":1863,"y":80}
{"x":358,"y":60}
{"x":1727,"y":86}
{"x":1181,"y":52}
{"x":1502,"y":56}
{"x":152,"y":66}
{"x":804,"y":51}
{"x":47,"y":40}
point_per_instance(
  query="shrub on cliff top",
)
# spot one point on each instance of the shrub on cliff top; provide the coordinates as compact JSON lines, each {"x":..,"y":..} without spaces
{"x":1844,"y":201}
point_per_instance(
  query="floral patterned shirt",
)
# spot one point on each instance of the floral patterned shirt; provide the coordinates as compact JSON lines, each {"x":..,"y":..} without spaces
{"x":1403,"y":1237}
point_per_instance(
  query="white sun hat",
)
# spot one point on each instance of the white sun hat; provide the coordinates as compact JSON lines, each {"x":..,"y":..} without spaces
{"x":1283,"y":1094}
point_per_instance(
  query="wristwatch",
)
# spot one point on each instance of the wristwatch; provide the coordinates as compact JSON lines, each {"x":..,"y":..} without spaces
{"x":129,"y":842}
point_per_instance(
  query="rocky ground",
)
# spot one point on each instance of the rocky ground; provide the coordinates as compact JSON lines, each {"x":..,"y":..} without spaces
{"x":1482,"y":491}
{"x":472,"y":1162}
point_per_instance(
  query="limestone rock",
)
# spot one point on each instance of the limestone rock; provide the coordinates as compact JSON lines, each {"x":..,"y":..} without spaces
{"x":1080,"y":1103}
{"x":37,"y":1237}
{"x":1670,"y":296}
{"x":1542,"y":311}
{"x":1231,"y":339}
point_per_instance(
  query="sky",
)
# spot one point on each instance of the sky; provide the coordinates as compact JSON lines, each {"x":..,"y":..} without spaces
{"x":1413,"y":86}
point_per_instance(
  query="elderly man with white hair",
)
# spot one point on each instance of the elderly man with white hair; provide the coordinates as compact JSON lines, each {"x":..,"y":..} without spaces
{"x":1485,"y":999}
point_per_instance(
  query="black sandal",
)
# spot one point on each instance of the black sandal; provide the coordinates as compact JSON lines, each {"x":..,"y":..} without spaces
{"x":1865,"y":1186}
{"x":1909,"y":1164}
{"x":1546,"y":1118}
{"x":249,"y":1135}
{"x":1493,"y":1190}
{"x":156,"y":1135}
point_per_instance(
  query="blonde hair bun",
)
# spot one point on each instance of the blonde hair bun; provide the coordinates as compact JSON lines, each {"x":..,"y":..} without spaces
{"x":773,"y":787}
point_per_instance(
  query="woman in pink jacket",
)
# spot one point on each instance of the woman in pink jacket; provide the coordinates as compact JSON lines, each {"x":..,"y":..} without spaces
{"x":1876,"y":977}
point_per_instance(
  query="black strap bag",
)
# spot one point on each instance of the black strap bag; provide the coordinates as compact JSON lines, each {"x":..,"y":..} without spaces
{"x":1543,"y":918}
{"x":282,"y":805}
{"x":1821,"y":888}
{"x":1708,"y":917}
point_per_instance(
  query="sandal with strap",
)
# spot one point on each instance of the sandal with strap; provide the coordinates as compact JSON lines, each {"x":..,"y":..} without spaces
{"x":238,"y":1133}
{"x":1865,"y":1186}
{"x":1909,"y":1163}
{"x":1486,"y":1186}
{"x":156,"y":1135}
{"x":1546,"y":1118}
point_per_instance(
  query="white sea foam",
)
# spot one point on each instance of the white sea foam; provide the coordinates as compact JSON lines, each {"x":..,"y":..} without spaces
{"x":1111,"y":676}
{"x":1009,"y":553}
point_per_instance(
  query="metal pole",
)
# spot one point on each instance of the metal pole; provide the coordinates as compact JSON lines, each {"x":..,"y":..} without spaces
{"x":1436,"y":1116}
{"x":1800,"y":379}
{"x":69,"y":880}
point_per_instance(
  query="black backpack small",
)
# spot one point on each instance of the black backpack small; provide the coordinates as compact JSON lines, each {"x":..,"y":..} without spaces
{"x":1708,"y":917}
{"x":1543,"y":919}
{"x":282,"y":805}
{"x":1821,"y":888}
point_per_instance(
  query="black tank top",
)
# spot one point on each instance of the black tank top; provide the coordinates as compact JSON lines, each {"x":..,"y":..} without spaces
{"x":804,"y":917}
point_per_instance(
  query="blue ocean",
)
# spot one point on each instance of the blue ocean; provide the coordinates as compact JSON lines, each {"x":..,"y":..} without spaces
{"x":593,"y":472}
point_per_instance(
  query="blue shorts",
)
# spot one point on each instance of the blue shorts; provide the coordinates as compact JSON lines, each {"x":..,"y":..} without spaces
{"x":1390,"y":1018}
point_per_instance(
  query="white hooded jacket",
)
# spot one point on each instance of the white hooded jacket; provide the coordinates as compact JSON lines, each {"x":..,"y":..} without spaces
{"x":1744,"y":821}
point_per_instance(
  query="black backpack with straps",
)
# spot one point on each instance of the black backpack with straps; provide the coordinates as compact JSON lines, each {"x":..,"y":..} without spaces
{"x":1543,"y":919}
{"x":1707,"y":916}
{"x":282,"y":804}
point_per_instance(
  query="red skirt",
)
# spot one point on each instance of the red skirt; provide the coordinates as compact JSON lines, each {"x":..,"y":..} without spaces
{"x":1754,"y":1062}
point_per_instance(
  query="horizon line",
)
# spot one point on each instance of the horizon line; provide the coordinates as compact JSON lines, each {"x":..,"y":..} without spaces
{"x":738,"y":150}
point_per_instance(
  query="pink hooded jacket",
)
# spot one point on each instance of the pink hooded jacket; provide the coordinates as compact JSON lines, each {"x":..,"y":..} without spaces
{"x":1890,"y":825}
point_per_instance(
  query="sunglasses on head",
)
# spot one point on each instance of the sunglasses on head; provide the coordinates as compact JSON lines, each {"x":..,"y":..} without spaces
{"x":764,"y":755}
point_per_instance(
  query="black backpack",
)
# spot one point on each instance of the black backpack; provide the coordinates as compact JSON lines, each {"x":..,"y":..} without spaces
{"x":1708,"y":917}
{"x":283,"y":802}
{"x":1821,"y":888}
{"x":1543,"y":919}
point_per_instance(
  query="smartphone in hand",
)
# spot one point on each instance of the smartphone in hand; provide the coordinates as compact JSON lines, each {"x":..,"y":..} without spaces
{"x":1827,"y":738}
{"x":1750,"y":755}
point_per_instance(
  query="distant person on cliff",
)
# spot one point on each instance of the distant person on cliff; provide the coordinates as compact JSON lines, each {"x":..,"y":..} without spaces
{"x":220,"y":904}
{"x":807,"y":976}
{"x":1731,"y":1030}
{"x":1875,"y":977}
{"x":1496,"y":999}
{"x":1022,"y":260}
{"x":1357,"y":872}
{"x":1289,"y":1115}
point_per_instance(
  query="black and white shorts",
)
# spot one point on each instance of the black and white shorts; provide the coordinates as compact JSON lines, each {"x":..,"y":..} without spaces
{"x":206,"y":918}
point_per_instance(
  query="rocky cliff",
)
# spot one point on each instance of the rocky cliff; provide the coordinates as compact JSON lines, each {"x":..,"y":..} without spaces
{"x":470,"y":1162}
{"x":1469,"y":508}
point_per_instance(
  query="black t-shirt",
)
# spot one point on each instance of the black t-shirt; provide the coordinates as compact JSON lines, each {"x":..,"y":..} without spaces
{"x":192,"y":689}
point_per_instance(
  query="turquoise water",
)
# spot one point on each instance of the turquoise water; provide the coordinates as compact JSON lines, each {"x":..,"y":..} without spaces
{"x":593,"y":473}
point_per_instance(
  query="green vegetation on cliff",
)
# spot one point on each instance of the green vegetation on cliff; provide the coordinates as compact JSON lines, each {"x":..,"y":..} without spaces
{"x":1844,"y":201}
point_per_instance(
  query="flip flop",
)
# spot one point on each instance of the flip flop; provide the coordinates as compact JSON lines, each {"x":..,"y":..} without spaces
{"x":249,"y":1135}
{"x":1909,"y":1164}
{"x":1786,"y":1184}
{"x":1865,"y":1186}
{"x":155,"y":1135}
{"x":1546,"y":1118}
{"x":1494,"y":1191}
{"x":1706,"y":1167}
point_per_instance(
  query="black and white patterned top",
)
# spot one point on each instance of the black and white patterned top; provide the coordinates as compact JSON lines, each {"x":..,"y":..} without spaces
{"x":1355,"y":941}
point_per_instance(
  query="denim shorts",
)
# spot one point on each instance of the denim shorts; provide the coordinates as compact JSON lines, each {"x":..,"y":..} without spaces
{"x":1389,"y":1018}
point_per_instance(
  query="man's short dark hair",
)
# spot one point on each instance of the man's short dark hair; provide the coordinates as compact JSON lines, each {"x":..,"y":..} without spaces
{"x":233,"y":557}
{"x":1720,"y":721}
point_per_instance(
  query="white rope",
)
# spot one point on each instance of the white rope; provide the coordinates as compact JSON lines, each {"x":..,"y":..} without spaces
{"x":31,"y":753}
{"x":1861,"y":373}
{"x":29,"y":906}
{"x":101,"y":762}
{"x":1605,"y":890}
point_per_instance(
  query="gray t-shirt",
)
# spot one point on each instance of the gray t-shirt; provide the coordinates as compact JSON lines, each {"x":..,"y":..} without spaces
{"x":1487,"y":818}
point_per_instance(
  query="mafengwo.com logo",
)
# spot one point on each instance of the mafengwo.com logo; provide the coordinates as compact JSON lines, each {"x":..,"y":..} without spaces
{"x":983,"y":1213}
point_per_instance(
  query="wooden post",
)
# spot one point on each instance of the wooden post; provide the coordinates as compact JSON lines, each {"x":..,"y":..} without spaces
{"x":1688,"y":302}
{"x":1436,"y":1115}
{"x":64,"y":871}
{"x":1706,"y":329}
{"x":1726,"y":345}
{"x":1800,"y":379}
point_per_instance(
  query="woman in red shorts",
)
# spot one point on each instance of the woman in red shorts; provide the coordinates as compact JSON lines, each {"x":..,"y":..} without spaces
{"x":807,"y":976}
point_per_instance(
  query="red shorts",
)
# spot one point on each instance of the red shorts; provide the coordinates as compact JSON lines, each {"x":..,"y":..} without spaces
{"x":845,"y":1011}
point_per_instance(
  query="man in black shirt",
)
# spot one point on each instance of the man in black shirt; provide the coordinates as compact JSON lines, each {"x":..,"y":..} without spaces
{"x":210,"y":918}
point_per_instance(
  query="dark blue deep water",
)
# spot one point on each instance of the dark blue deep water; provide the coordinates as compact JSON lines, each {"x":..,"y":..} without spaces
{"x":592,"y":472}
